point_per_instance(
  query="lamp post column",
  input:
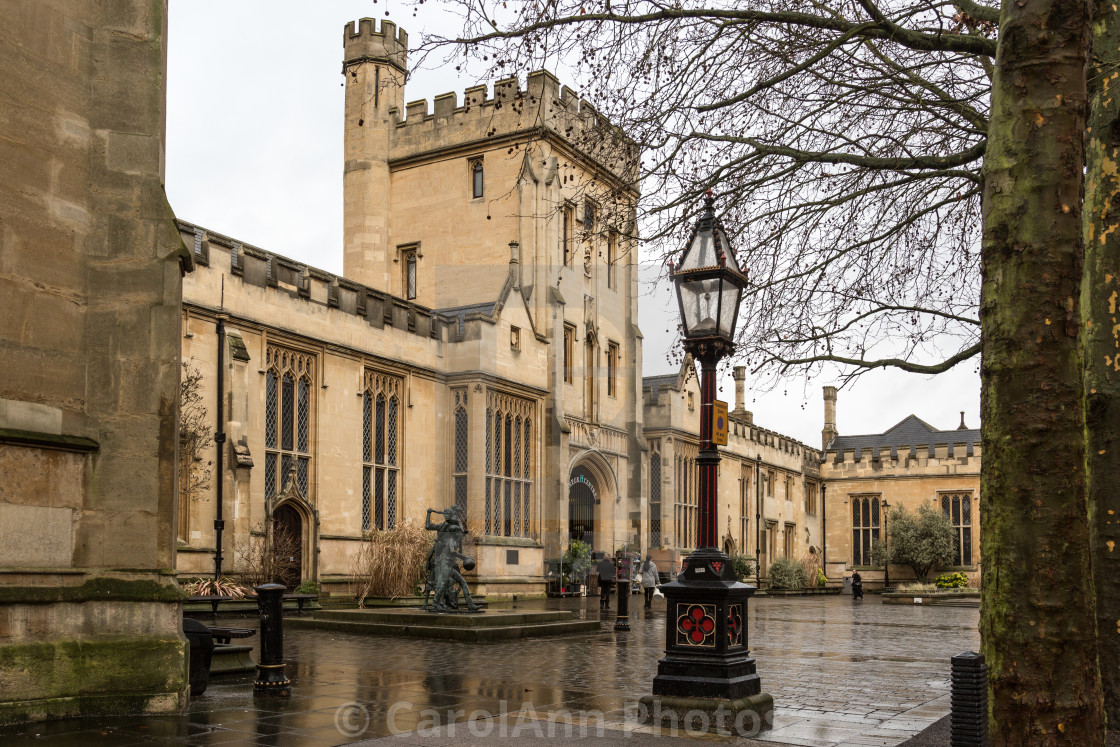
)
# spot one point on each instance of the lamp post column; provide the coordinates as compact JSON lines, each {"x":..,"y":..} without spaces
{"x":707,"y":461}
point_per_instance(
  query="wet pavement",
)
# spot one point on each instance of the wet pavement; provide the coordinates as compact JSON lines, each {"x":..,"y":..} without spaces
{"x":841,"y":673}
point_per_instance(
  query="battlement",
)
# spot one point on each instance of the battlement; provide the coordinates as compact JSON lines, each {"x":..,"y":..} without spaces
{"x":363,"y":41}
{"x":940,"y":457}
{"x":216,"y":254}
{"x":542,"y":104}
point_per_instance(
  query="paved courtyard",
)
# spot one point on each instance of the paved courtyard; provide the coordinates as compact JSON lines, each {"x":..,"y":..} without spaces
{"x":841,"y":673}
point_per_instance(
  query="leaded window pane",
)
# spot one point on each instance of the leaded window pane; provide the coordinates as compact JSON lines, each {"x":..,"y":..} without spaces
{"x":966,"y":545}
{"x":391,"y":498}
{"x":526,"y":442}
{"x":525,"y":514}
{"x":875,"y":512}
{"x":303,"y":414}
{"x":856,"y":514}
{"x":287,"y":419}
{"x":270,"y":410}
{"x":379,"y":431}
{"x":516,"y":508}
{"x":269,"y":475}
{"x":506,"y":527}
{"x":945,"y":507}
{"x":498,"y":506}
{"x":461,"y":440}
{"x":489,"y":441}
{"x":516,"y":447}
{"x":285,"y":468}
{"x":379,"y":497}
{"x":489,"y":484}
{"x":866,"y":546}
{"x":411,"y":273}
{"x":857,"y":547}
{"x":461,"y":491}
{"x":365,"y":498}
{"x":367,"y":427}
{"x":391,"y":433}
{"x":966,"y":511}
{"x":956,"y":512}
{"x":301,"y":474}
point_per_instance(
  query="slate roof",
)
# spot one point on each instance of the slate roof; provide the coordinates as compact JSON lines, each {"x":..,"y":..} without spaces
{"x":911,"y":432}
{"x":662,"y":381}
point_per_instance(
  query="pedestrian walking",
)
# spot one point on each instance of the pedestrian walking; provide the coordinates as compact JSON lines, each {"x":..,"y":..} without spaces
{"x":607,"y":575}
{"x":648,"y":573}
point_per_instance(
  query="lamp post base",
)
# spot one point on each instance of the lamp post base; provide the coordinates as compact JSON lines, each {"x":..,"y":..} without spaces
{"x":742,"y":717}
{"x":707,"y":668}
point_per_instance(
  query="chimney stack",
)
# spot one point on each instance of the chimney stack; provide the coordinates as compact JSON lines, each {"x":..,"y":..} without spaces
{"x":740,"y":374}
{"x":829,"y":431}
{"x":962,"y":426}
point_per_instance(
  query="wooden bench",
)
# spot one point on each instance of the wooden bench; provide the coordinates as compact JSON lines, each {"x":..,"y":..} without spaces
{"x":214,"y":601}
{"x":225,"y":635}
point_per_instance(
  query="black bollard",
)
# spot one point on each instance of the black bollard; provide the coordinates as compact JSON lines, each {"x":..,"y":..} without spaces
{"x":622,"y":621}
{"x":271,"y":679}
{"x":969,"y":718}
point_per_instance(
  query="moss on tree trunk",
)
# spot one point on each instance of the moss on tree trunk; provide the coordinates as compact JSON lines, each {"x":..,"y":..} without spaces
{"x":1037,"y":610}
{"x":1100,"y":335}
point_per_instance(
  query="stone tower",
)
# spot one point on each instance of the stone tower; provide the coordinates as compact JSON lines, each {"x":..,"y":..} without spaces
{"x":829,"y":431}
{"x":374,"y":64}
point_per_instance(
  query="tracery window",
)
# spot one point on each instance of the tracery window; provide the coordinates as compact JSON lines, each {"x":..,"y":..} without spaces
{"x":459,"y":473}
{"x":686,"y":508}
{"x":865,"y":527}
{"x":287,"y":418}
{"x":745,"y":504}
{"x":381,"y":458}
{"x":655,"y":494}
{"x":508,"y":488}
{"x":957,"y":507}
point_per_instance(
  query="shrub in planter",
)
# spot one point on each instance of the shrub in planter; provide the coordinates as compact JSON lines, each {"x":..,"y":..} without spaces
{"x":787,"y":574}
{"x":743,"y":566}
{"x":952,"y":581}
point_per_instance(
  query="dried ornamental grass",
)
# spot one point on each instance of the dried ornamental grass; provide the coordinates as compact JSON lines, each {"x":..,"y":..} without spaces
{"x":391,"y":563}
{"x":217,"y":587}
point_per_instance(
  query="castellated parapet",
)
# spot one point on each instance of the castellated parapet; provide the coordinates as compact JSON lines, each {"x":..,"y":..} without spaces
{"x":938,"y":458}
{"x":512,"y":113}
{"x":364,"y":43}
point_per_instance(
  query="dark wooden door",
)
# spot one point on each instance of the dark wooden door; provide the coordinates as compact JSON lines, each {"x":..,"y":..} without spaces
{"x":288,"y":544}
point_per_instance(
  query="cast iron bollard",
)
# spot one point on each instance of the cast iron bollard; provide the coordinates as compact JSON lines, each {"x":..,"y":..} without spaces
{"x":622,"y":621}
{"x":970,"y":701}
{"x":271,"y":679}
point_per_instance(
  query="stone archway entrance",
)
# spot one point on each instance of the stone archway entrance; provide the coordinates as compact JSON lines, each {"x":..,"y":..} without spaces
{"x":582,"y":498}
{"x":289,"y":523}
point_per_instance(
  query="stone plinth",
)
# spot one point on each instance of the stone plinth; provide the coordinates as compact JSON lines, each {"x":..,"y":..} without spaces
{"x":487,"y":626}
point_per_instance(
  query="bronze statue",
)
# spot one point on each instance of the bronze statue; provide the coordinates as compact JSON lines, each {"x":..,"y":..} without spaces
{"x":445,"y":582}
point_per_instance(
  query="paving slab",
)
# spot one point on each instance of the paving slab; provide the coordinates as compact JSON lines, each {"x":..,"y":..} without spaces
{"x":841,"y":675}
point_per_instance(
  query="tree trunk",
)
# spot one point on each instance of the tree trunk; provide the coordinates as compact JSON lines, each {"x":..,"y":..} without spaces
{"x":1037,"y":606}
{"x":1100,"y":336}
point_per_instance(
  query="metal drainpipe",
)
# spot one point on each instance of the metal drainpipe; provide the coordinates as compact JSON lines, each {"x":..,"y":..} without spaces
{"x":219,"y":442}
{"x":758,"y":522}
{"x":824,"y":528}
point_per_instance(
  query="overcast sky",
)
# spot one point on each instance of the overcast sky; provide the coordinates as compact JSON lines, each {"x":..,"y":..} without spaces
{"x":254,"y":151}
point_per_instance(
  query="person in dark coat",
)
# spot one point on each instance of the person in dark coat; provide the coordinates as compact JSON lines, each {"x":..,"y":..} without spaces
{"x":607,"y":576}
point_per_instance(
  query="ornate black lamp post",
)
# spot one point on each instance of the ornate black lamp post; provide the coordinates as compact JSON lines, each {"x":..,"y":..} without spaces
{"x":707,"y":666}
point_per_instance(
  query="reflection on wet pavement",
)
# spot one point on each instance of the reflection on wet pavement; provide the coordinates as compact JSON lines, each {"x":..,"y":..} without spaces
{"x":840,"y":673}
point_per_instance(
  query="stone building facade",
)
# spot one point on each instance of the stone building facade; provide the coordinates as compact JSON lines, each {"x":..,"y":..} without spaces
{"x":909,"y":464}
{"x":770,"y":491}
{"x":481,"y":347}
{"x":90,"y":266}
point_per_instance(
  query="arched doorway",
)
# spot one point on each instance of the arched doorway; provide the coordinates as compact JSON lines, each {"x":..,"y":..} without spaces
{"x":581,"y":506}
{"x":287,"y":532}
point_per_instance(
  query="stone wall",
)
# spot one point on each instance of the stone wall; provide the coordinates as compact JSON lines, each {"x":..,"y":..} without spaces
{"x":90,"y":266}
